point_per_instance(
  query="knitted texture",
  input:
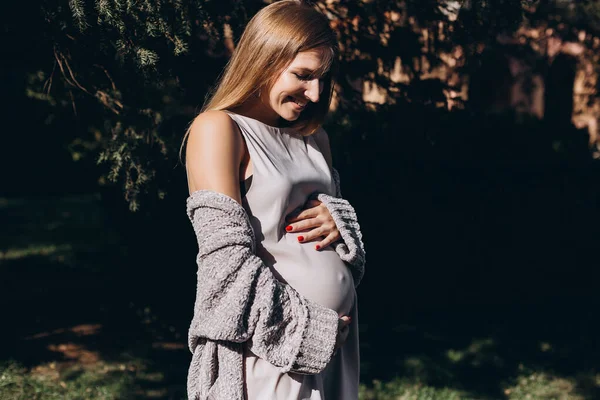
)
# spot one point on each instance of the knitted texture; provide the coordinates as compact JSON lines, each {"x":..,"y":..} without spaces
{"x":239,"y":300}
{"x":351,"y":248}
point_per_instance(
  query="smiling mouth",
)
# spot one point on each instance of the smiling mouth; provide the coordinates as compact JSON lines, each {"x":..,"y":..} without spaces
{"x":298,"y":102}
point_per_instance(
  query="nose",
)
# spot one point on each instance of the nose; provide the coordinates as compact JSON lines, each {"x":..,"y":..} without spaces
{"x":314,"y":89}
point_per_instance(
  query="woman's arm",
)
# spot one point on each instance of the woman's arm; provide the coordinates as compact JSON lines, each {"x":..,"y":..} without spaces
{"x":238,"y":298}
{"x":214,"y":152}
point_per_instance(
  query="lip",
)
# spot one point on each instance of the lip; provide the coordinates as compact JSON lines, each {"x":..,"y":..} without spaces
{"x":296,"y":106}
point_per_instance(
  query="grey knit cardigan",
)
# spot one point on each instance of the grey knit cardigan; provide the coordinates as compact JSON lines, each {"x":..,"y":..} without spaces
{"x":239,"y":300}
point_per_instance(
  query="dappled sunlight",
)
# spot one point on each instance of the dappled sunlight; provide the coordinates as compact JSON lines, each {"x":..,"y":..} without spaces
{"x":169,"y":346}
{"x":75,"y":323}
{"x":79,"y":330}
{"x":478,"y":353}
{"x":506,"y":352}
{"x":543,"y":386}
{"x":407,"y":389}
{"x":75,"y":352}
{"x":58,"y":230}
{"x":476,"y":128}
{"x":53,"y":252}
{"x":54,"y":380}
{"x":425,"y":375}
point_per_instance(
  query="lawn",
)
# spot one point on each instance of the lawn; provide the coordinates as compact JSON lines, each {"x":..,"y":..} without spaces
{"x":90,"y":317}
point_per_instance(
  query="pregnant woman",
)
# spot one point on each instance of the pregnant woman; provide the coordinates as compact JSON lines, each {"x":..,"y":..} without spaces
{"x":280,"y":252}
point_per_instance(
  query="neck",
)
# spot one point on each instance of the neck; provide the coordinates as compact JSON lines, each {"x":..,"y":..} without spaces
{"x":257,"y":109}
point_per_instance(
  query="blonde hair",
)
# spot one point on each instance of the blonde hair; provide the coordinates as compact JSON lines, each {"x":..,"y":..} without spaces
{"x":270,"y":42}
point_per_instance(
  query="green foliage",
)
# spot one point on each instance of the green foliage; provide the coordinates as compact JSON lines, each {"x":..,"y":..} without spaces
{"x":103,"y":383}
{"x":538,"y":386}
{"x":441,"y":355}
{"x":124,"y":67}
{"x":126,"y":154}
{"x":403,"y":389}
{"x":76,"y":7}
{"x":583,"y":14}
{"x":108,"y":381}
{"x":542,"y":386}
{"x":136,"y":72}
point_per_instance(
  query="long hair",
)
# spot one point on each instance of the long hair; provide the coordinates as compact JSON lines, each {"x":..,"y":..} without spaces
{"x":269,"y":43}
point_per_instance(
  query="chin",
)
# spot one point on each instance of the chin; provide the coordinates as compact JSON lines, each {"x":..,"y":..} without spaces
{"x":290,"y":117}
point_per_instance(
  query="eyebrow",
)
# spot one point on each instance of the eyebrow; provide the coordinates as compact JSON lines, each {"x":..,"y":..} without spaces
{"x":303,"y":69}
{"x":309,"y":71}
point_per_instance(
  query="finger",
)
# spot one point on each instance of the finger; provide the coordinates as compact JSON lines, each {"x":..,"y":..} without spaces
{"x":303,"y":225}
{"x":304,"y":214}
{"x":315,"y":234}
{"x":345,"y":320}
{"x":312,"y":203}
{"x":331,"y":238}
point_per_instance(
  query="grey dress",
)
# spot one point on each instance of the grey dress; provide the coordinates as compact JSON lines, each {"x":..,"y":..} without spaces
{"x":287,"y":169}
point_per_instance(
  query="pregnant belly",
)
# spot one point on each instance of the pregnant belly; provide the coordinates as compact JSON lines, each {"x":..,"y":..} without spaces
{"x":320,"y":276}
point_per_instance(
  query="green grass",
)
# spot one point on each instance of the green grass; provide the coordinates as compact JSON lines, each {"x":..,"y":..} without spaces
{"x":99,"y":381}
{"x":535,"y":386}
{"x":545,"y":386}
{"x":102,"y":382}
{"x":61,"y":254}
{"x":478,"y":372}
{"x":404,"y":389}
{"x":69,"y":255}
{"x":108,"y":381}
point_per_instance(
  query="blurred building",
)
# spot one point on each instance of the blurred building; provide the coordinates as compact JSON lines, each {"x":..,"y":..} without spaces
{"x":442,"y":60}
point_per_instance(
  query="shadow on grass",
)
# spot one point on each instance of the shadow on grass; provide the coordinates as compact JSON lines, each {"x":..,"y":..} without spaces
{"x":106,"y":297}
{"x":76,"y":304}
{"x":479,"y":277}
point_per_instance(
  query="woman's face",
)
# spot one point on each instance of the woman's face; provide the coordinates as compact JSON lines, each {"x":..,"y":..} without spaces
{"x":297,"y":86}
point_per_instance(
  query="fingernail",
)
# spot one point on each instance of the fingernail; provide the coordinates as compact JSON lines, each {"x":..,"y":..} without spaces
{"x":317,"y":247}
{"x":288,"y":228}
{"x":300,"y":238}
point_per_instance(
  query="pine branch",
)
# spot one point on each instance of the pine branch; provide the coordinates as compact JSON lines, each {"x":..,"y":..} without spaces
{"x":76,"y":7}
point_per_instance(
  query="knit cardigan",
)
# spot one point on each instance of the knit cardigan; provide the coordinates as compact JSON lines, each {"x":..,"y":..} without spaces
{"x":239,"y":300}
{"x":351,"y":248}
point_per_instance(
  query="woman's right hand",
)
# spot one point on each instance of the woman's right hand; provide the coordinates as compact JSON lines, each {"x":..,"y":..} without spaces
{"x":343,"y":330}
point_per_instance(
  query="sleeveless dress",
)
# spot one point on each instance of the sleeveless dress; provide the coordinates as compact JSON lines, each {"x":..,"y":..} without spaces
{"x":286,"y":169}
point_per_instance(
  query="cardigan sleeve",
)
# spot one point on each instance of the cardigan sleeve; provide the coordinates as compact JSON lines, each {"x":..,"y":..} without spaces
{"x":238,"y":299}
{"x":350,"y":248}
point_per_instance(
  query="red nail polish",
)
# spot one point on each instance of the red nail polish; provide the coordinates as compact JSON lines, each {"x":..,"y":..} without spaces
{"x":317,"y":247}
{"x":288,"y":228}
{"x":300,"y":238}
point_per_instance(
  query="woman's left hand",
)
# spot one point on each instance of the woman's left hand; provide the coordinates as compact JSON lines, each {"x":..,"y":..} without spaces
{"x":317,"y":222}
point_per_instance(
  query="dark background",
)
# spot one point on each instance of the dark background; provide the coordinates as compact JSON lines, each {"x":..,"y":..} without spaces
{"x":478,"y":225}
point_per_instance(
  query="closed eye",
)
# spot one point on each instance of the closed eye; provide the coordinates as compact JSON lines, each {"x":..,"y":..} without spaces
{"x":303,"y":77}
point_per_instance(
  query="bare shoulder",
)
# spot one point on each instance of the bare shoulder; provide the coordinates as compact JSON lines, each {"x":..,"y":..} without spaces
{"x":213,"y":131}
{"x":213,"y":124}
{"x":214,"y":151}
